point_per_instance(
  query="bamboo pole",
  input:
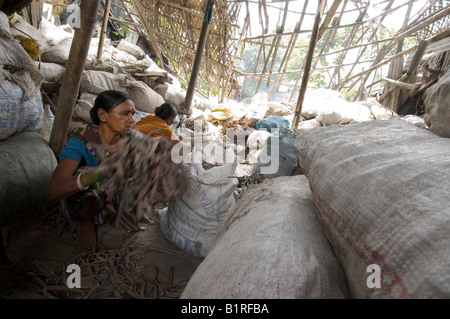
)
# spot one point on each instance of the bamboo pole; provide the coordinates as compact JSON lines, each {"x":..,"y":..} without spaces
{"x":374,"y":33}
{"x":328,"y":17}
{"x":308,"y":61}
{"x":152,"y":41}
{"x":324,"y":44}
{"x":278,"y":39}
{"x":410,"y":30}
{"x":374,"y":67}
{"x":436,"y":38}
{"x":399,"y":83}
{"x":198,"y":57}
{"x":290,"y":47}
{"x":296,"y":35}
{"x":72,"y":77}
{"x":347,"y":46}
{"x":104,"y":26}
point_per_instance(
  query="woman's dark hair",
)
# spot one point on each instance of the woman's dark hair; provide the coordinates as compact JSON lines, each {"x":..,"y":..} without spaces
{"x":166,"y":110}
{"x":107,"y":100}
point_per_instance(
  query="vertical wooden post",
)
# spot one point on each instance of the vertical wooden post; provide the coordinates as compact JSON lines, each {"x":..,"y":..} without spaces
{"x":72,"y":76}
{"x":308,"y":62}
{"x":198,"y":57}
{"x":104,"y":27}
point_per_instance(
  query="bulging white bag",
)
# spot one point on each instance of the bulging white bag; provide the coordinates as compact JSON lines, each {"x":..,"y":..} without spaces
{"x":191,"y":221}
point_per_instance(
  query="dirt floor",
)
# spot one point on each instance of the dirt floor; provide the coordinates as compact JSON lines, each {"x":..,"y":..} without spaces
{"x":142,"y":265}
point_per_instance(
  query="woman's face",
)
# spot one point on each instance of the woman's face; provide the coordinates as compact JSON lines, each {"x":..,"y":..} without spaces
{"x":120,"y":119}
{"x":170,"y":120}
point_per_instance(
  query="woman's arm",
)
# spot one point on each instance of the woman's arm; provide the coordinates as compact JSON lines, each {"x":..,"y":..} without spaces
{"x":63,"y":183}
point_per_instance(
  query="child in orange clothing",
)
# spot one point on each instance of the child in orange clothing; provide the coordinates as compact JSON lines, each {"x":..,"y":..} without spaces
{"x":162,"y":119}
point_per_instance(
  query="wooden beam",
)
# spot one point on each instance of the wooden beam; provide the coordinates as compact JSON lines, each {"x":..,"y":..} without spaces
{"x":198,"y":58}
{"x":72,"y":76}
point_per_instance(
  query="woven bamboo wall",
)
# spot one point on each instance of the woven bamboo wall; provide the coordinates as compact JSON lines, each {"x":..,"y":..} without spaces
{"x":174,"y":28}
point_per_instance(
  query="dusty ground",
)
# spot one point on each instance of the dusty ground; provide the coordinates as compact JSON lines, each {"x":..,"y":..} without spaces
{"x":143,"y":265}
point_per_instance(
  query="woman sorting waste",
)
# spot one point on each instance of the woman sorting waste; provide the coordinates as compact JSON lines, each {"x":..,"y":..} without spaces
{"x":159,"y":123}
{"x":77,"y":178}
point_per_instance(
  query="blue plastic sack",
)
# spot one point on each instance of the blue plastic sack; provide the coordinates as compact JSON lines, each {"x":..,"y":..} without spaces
{"x":273,"y":122}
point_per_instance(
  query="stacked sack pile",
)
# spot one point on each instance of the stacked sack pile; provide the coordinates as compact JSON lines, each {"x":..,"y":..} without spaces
{"x":26,"y":160}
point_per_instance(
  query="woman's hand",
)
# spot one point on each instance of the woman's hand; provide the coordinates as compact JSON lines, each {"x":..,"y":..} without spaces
{"x":92,"y":175}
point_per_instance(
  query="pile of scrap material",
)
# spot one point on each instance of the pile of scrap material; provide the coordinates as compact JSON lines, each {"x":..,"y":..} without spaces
{"x":143,"y":169}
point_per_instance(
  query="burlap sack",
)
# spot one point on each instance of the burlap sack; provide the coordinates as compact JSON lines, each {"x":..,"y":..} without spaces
{"x":270,"y":246}
{"x":382,"y":189}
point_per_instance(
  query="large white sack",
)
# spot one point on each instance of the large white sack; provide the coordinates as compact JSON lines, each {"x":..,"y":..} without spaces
{"x":83,"y":107}
{"x":145,"y":98}
{"x":416,"y":120}
{"x":320,"y":100}
{"x":382,"y":193}
{"x":4,"y":22}
{"x":131,"y":48}
{"x":192,"y":220}
{"x":95,"y":82}
{"x":277,"y":108}
{"x":59,"y":53}
{"x":203,"y":133}
{"x":51,"y":72}
{"x":270,"y":246}
{"x":343,"y":112}
{"x":53,"y":33}
{"x":174,"y":94}
{"x":377,"y":110}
